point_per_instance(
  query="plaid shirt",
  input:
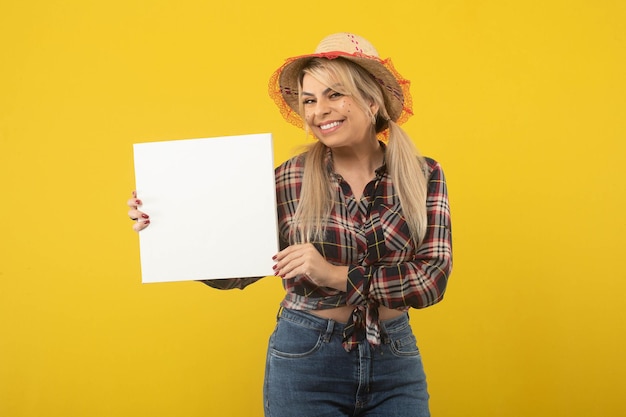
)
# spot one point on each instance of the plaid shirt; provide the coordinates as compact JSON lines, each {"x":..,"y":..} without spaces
{"x":371,"y":236}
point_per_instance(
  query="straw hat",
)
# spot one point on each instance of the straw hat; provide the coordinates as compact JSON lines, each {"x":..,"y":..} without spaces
{"x":283,"y":86}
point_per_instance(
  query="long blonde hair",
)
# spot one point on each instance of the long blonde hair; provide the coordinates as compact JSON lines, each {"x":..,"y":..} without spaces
{"x":405,"y":166}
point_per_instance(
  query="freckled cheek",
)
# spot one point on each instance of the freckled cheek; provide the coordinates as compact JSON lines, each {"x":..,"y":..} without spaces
{"x":308,"y":120}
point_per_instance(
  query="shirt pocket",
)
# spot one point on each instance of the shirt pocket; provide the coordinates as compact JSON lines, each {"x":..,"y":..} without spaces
{"x":395,"y":230}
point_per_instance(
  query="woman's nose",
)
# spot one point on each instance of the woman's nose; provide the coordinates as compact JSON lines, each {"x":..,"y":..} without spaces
{"x":322,"y":108}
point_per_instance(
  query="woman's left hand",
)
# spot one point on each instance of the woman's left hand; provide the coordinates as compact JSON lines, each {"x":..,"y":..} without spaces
{"x":306,"y":260}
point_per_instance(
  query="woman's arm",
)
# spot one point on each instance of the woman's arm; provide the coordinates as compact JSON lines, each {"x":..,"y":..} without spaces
{"x":422,"y":281}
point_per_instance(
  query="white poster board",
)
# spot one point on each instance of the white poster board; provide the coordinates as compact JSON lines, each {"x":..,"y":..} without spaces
{"x":212,"y":208}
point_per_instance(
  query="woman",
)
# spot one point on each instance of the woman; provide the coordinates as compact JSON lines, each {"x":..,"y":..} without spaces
{"x":365,"y":235}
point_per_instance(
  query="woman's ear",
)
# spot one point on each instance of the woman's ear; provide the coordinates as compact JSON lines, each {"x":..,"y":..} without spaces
{"x":374,"y":108}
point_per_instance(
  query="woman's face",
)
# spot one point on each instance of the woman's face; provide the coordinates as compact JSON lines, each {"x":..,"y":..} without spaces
{"x":335,"y":119}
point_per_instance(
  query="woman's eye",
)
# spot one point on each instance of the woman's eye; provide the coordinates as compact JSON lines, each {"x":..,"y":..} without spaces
{"x":335,"y":94}
{"x":307,"y":101}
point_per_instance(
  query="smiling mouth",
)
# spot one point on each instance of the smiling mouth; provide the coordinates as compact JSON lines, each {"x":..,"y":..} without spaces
{"x":330,"y":125}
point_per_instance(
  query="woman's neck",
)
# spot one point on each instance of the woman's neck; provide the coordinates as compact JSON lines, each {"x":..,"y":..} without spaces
{"x":359,"y":160}
{"x":358,"y":166}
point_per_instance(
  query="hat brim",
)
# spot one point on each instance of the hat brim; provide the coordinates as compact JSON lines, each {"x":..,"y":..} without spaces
{"x":283,"y":86}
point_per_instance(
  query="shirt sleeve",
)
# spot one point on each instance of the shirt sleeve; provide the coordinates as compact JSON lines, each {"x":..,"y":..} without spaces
{"x":422,"y":281}
{"x":230,"y":283}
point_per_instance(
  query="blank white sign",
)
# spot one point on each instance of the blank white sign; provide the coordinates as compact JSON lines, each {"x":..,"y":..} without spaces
{"x":212,"y":208}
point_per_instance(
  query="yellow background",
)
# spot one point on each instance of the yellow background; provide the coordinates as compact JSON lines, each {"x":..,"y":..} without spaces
{"x":523,"y":102}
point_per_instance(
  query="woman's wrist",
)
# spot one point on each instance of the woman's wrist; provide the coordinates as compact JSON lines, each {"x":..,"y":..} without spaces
{"x":339,"y":277}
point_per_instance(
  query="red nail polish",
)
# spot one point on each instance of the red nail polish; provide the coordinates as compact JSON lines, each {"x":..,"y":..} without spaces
{"x":145,"y":216}
{"x":274,"y":257}
{"x":138,"y":202}
{"x":146,"y":222}
{"x":275,"y":267}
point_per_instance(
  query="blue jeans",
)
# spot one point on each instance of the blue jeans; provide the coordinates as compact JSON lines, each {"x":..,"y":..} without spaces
{"x":309,"y":374}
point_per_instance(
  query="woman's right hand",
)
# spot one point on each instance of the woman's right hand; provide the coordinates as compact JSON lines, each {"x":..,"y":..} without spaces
{"x":142,"y":220}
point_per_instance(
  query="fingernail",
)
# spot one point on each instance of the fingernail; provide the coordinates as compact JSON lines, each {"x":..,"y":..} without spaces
{"x":275,"y":267}
{"x":146,"y":222}
{"x":274,"y":257}
{"x":145,"y":216}
{"x":138,"y":202}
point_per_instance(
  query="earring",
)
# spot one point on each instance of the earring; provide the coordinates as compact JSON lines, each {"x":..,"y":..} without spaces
{"x":373,"y":119}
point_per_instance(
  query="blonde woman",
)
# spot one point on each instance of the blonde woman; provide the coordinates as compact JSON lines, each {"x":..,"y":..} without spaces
{"x":365,"y":235}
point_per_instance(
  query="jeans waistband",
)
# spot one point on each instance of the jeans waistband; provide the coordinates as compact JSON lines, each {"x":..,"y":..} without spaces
{"x":307,"y":319}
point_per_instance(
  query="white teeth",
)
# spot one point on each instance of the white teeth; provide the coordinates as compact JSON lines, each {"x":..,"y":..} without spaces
{"x":329,"y":125}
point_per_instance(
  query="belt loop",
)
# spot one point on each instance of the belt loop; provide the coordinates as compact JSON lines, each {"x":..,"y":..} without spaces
{"x":330,"y":326}
{"x":279,"y":313}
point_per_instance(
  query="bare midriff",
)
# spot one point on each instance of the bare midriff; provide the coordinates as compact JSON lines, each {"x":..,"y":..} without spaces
{"x":342,"y":314}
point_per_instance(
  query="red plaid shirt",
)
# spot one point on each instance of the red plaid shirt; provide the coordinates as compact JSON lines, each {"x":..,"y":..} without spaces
{"x":372,"y":238}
